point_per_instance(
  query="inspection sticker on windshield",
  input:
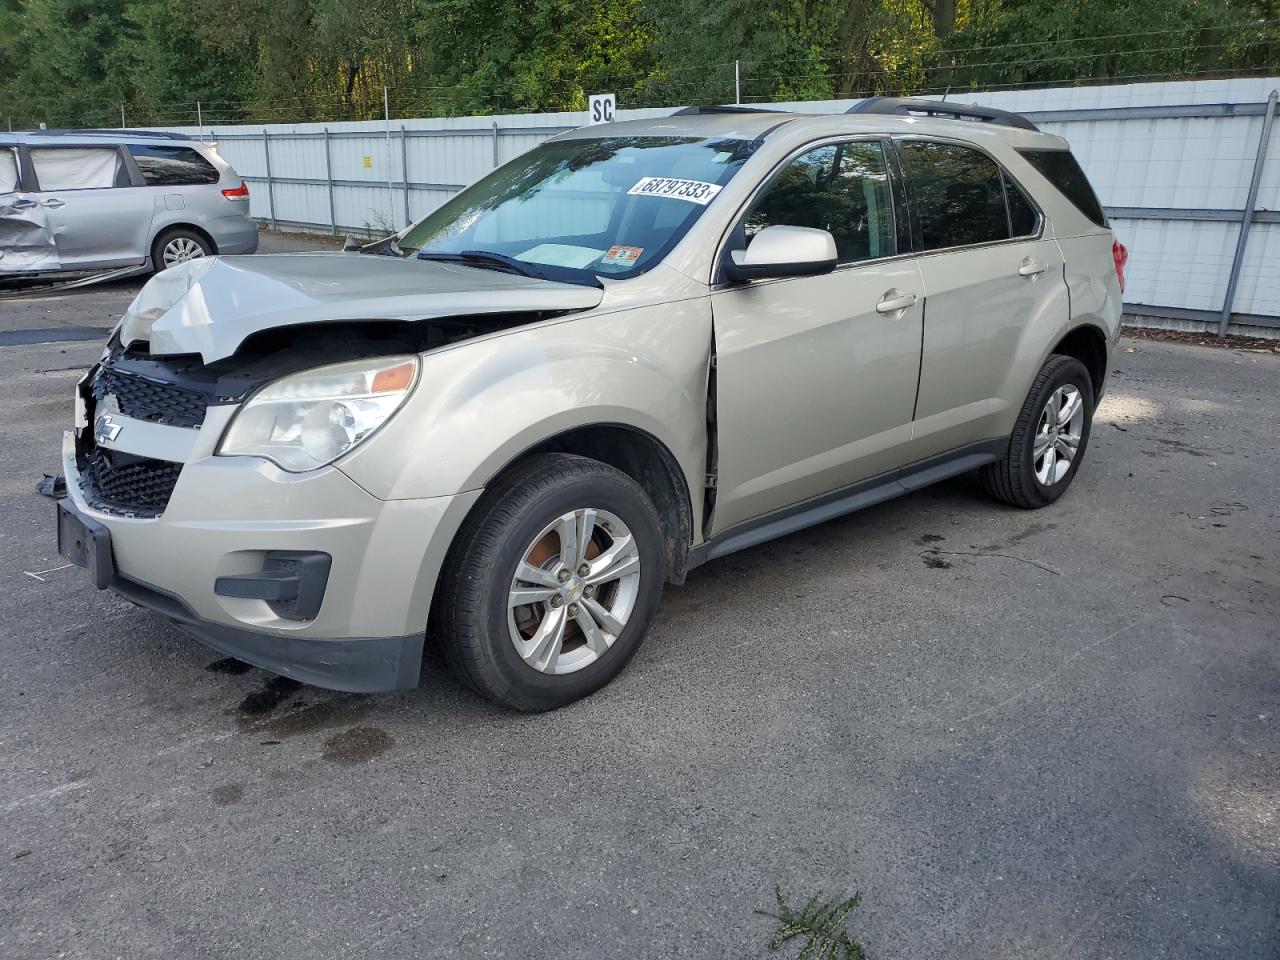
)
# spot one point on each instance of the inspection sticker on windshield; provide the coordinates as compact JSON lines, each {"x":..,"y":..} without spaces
{"x":695,"y":191}
{"x":619,"y":256}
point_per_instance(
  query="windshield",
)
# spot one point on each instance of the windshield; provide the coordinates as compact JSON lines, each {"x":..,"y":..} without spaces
{"x":608,"y":207}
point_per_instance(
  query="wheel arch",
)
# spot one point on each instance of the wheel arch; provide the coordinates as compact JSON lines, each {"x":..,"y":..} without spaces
{"x":1088,"y":344}
{"x":642,"y":457}
{"x":181,"y":225}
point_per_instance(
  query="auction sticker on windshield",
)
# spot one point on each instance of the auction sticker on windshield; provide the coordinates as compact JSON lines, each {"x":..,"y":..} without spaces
{"x":695,"y":191}
{"x":620,"y":256}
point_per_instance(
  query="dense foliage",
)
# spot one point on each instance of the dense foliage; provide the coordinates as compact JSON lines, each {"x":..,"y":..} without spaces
{"x":77,"y":62}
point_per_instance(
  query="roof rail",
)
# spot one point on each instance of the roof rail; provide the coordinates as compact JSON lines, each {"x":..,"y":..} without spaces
{"x":157,"y":134}
{"x":914,"y":107}
{"x":697,"y":111}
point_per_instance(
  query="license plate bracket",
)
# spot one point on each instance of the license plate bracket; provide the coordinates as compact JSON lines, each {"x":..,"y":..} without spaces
{"x":86,"y":543}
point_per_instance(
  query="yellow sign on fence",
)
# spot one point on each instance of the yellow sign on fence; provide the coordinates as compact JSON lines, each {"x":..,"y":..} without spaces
{"x":368,"y":162}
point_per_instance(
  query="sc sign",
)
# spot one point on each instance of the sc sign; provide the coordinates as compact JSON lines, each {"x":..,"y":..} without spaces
{"x":601,"y":107}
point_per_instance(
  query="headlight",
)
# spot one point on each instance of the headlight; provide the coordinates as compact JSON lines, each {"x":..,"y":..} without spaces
{"x":306,"y":420}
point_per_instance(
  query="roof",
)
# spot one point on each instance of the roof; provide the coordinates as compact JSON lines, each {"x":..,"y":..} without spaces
{"x":887,"y":116}
{"x":54,"y":137}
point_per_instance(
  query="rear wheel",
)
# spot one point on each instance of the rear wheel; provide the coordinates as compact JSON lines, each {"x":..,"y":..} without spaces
{"x":552,"y":583}
{"x":1049,"y":437}
{"x":176,"y":246}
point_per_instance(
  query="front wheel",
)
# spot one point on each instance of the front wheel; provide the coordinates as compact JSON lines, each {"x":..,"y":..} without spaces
{"x":1049,"y":437}
{"x":551,"y":584}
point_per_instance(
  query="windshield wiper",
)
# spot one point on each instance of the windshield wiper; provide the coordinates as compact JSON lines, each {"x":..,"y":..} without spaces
{"x":482,"y":258}
{"x":487,"y":259}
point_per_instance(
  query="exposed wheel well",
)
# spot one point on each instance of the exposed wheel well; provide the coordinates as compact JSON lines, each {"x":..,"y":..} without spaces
{"x":646,"y":461}
{"x":1088,"y":345}
{"x":202,"y":233}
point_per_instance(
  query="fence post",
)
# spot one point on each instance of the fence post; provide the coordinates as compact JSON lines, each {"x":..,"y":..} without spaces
{"x":495,"y":145}
{"x":1229,"y":301}
{"x":404,"y":170}
{"x":271,"y":193}
{"x":328,"y":179}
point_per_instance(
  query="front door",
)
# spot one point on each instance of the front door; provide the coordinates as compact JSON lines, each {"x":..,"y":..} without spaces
{"x":99,"y":219}
{"x":815,"y":385}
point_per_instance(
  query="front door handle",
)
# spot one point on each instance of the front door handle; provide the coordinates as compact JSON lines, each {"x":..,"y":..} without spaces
{"x":23,"y":204}
{"x":54,"y":202}
{"x":895,"y":300}
{"x":1030,"y":267}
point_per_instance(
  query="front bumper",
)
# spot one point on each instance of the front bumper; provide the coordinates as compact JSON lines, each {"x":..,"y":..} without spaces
{"x":227,"y":513}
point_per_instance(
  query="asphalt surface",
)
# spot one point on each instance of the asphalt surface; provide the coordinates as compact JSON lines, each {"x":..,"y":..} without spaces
{"x":1019,"y":735}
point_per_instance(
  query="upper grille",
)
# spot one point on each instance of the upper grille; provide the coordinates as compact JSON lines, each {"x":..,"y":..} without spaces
{"x":121,"y":483}
{"x":150,"y":400}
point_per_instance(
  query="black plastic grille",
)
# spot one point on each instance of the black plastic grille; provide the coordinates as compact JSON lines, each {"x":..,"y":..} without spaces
{"x":137,"y":486}
{"x":150,"y":400}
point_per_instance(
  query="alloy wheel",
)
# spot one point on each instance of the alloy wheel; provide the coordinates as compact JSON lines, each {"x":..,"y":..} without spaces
{"x":1058,"y":434}
{"x":180,"y":250}
{"x":573,"y":591}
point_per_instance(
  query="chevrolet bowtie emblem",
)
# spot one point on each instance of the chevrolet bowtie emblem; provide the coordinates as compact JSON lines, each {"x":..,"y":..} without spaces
{"x":105,"y":429}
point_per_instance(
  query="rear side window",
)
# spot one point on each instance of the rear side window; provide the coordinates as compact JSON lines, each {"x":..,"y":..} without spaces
{"x":957,"y":195}
{"x":172,"y":166}
{"x":1061,"y":169}
{"x":842,"y":188}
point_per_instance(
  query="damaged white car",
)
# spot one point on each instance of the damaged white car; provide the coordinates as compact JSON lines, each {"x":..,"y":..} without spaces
{"x":634,"y":349}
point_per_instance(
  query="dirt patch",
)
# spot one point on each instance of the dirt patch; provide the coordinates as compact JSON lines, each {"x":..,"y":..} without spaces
{"x":1230,"y":342}
{"x":357,"y":745}
{"x":229,"y":665}
{"x":226,"y":794}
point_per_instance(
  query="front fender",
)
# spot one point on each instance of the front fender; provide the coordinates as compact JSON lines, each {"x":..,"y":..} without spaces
{"x":480,"y":405}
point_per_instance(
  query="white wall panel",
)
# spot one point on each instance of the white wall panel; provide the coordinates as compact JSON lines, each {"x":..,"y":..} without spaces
{"x":1193,"y":163}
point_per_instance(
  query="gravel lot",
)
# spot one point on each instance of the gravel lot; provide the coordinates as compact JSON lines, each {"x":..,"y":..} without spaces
{"x":1019,"y":735}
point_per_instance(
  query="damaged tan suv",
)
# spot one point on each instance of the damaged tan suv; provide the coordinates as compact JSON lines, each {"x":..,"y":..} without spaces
{"x":634,"y":349}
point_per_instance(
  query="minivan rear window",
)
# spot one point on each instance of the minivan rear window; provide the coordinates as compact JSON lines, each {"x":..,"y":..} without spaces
{"x":1062,"y":169}
{"x":172,"y":166}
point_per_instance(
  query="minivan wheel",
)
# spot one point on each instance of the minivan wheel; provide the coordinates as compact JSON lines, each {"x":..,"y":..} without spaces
{"x":552,"y":582}
{"x":1049,"y":438}
{"x":178,"y":246}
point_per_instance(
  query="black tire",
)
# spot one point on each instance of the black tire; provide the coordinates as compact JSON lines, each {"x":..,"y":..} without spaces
{"x":1013,"y":479}
{"x":167,"y":237}
{"x":471,"y":614}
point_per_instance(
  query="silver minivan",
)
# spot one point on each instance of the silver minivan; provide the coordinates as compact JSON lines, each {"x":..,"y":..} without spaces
{"x":84,"y":200}
{"x":637,"y":348}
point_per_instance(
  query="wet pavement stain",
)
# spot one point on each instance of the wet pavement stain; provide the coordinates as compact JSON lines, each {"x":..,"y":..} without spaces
{"x":280,"y":710}
{"x":226,"y":794}
{"x":357,"y":745}
{"x":930,"y":538}
{"x":935,"y":562}
{"x":229,"y":665}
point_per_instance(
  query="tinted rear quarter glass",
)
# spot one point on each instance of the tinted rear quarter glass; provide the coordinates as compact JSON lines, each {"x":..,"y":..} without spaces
{"x":956,"y":194}
{"x":172,"y":166}
{"x":1062,"y":169}
{"x":1022,"y":215}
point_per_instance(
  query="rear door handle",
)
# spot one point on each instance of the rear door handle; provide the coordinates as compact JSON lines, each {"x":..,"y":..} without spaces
{"x":1031,"y":267}
{"x":54,"y":202}
{"x":895,"y":300}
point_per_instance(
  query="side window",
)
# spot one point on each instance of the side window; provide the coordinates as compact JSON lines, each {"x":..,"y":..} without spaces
{"x":172,"y":166}
{"x":8,"y":170}
{"x":1061,"y":169}
{"x":956,"y":194}
{"x":842,"y":188}
{"x":1022,"y":215}
{"x":77,"y":168}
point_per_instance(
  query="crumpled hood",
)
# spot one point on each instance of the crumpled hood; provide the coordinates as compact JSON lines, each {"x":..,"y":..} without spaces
{"x":209,"y":306}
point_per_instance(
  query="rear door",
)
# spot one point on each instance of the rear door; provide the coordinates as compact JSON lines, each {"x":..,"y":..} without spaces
{"x":989,"y":275}
{"x":815,"y":386}
{"x":99,"y":219}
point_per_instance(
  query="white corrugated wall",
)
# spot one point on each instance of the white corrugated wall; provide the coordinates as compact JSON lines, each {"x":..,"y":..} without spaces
{"x":1194,"y":164}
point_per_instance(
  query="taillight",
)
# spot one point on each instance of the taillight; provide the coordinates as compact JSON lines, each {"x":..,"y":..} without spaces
{"x":1120,"y":254}
{"x":237,"y":193}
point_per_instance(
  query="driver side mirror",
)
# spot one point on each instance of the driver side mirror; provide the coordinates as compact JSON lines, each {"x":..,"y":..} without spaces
{"x":782,"y":251}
